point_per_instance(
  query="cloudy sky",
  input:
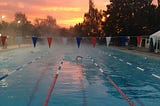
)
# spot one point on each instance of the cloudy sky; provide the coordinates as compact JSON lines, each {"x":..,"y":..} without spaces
{"x":67,"y":12}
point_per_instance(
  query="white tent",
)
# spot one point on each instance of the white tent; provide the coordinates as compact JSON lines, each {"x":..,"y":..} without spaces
{"x":155,"y":37}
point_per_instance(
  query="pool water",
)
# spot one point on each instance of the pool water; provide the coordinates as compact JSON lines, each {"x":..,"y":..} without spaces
{"x":78,"y":83}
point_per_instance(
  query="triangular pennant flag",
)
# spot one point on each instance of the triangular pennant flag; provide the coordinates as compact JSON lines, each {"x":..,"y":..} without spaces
{"x":19,"y":40}
{"x":34,"y":39}
{"x":64,"y":40}
{"x":93,"y":40}
{"x":108,"y":39}
{"x":3,"y":40}
{"x":49,"y":39}
{"x":123,"y":40}
{"x":139,"y":39}
{"x":78,"y":41}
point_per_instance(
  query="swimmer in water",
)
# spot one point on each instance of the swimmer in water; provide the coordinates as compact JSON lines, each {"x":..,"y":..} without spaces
{"x":79,"y":59}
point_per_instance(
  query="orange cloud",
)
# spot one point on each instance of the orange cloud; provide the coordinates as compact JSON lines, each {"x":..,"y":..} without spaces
{"x":65,"y":9}
{"x":3,"y":3}
{"x":71,"y":21}
{"x":20,"y":5}
{"x":66,"y":12}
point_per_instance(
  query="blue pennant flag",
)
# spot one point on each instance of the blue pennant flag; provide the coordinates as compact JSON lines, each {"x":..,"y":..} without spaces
{"x":34,"y":39}
{"x":79,"y":41}
{"x":123,"y":40}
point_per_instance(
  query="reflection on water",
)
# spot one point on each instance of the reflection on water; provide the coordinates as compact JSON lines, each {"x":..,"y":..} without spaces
{"x":70,"y":76}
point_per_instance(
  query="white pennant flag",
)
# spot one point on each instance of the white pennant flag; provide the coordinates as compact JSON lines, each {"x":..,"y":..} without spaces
{"x":154,"y":2}
{"x":64,"y":40}
{"x":108,"y":39}
{"x":19,"y":40}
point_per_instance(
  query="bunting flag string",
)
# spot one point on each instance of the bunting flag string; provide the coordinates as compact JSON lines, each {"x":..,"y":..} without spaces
{"x":78,"y":40}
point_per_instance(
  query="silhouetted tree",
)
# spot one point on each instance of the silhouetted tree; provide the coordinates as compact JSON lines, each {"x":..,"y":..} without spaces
{"x":45,"y":27}
{"x":130,"y":17}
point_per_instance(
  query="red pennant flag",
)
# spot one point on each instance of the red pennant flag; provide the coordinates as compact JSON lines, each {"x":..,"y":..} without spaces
{"x":49,"y":41}
{"x":139,"y":38}
{"x":3,"y":40}
{"x":94,"y":40}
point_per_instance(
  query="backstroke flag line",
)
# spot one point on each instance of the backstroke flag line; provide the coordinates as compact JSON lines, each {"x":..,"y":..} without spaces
{"x":108,"y":40}
{"x":34,"y":39}
{"x":154,"y":2}
{"x":49,"y":39}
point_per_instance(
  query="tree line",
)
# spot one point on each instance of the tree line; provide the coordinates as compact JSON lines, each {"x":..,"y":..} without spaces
{"x":121,"y":18}
{"x":21,"y":26}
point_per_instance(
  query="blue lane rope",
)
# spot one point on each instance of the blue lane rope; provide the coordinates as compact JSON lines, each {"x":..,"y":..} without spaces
{"x":128,"y":63}
{"x":19,"y":68}
{"x":129,"y":88}
{"x":131,"y":103}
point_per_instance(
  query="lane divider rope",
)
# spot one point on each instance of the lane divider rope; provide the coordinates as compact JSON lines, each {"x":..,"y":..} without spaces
{"x":45,"y":103}
{"x":19,"y":68}
{"x":129,"y":88}
{"x":131,"y":103}
{"x":128,"y":63}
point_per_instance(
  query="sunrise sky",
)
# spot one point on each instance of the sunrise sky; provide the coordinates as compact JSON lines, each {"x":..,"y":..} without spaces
{"x":66,"y":12}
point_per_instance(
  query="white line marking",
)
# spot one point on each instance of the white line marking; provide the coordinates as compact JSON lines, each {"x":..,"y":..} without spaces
{"x":156,"y":76}
{"x":129,"y":63}
{"x":114,"y":57}
{"x":121,"y":60}
{"x":140,"y":68}
{"x":96,"y":64}
{"x":101,"y":70}
{"x":24,"y":65}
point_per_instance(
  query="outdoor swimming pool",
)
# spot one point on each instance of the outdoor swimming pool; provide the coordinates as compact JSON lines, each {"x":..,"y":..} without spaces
{"x":78,"y":84}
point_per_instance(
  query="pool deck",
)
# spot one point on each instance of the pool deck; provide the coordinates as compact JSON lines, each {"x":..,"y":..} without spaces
{"x":139,"y":51}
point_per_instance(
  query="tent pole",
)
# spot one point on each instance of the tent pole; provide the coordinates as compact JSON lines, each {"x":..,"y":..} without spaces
{"x":156,"y":51}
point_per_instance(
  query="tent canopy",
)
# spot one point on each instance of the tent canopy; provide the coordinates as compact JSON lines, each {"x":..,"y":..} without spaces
{"x":155,"y":35}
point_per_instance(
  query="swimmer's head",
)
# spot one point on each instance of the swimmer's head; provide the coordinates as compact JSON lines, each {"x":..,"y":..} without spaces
{"x":79,"y":58}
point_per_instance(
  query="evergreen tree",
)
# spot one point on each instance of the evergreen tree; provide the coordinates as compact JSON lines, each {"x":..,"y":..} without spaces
{"x":91,"y":25}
